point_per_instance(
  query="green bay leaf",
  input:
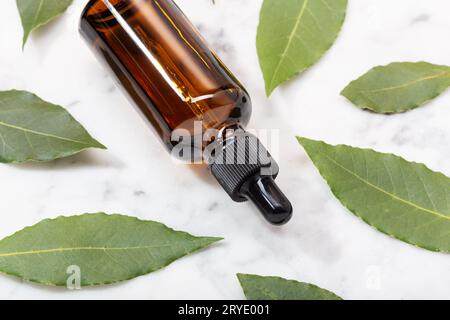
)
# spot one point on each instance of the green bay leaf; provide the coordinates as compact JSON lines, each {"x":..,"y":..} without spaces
{"x":398,"y":87}
{"x":105,"y":248}
{"x":36,"y":13}
{"x":405,"y":200}
{"x":33,"y":129}
{"x":274,"y":288}
{"x":294,"y":34}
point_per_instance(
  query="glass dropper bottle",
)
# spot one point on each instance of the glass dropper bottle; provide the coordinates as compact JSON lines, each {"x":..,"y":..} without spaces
{"x":186,"y":93}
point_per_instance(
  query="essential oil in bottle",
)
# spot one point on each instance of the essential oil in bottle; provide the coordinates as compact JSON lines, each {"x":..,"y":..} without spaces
{"x":182,"y":88}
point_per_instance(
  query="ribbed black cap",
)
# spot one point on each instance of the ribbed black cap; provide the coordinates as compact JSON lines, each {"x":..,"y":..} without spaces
{"x":246,"y":170}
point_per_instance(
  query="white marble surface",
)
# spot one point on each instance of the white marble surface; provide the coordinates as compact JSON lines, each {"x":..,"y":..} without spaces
{"x":323,"y":244}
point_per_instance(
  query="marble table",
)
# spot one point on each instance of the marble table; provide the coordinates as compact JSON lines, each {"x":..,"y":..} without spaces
{"x":323,"y":244}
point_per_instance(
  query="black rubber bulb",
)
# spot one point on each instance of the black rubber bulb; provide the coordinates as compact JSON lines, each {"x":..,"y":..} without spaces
{"x":269,"y":199}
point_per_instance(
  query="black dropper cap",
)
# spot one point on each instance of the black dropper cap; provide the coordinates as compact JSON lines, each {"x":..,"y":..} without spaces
{"x":246,"y":170}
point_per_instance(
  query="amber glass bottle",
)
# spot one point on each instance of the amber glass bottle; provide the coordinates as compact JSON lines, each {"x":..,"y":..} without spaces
{"x":165,"y":65}
{"x":176,"y":81}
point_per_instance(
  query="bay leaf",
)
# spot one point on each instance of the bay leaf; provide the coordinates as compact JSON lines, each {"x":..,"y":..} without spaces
{"x":36,"y":13}
{"x":398,"y":87}
{"x":293,"y":35}
{"x":405,"y":200}
{"x":33,"y":129}
{"x":274,"y":288}
{"x":104,"y":248}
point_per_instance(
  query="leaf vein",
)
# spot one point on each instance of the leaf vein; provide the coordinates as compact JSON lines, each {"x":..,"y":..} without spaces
{"x":405,"y":85}
{"x":386,"y":192}
{"x":56,"y":250}
{"x":40,"y":133}
{"x":290,"y":40}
